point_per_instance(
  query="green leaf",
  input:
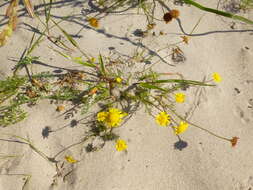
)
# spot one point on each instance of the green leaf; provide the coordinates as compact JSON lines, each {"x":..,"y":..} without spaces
{"x":218,"y":12}
{"x":72,"y":41}
{"x":150,"y":86}
{"x":80,"y":61}
{"x":102,"y":66}
{"x":190,"y":82}
{"x":75,"y":59}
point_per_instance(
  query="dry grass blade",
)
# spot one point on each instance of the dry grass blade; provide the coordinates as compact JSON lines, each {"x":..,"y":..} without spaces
{"x":13,"y":22}
{"x":11,"y":12}
{"x":11,"y":7}
{"x":29,"y":7}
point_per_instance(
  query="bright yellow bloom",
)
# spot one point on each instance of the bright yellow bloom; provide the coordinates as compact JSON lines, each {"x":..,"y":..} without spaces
{"x":163,"y":119}
{"x":118,"y":80}
{"x":181,"y":128}
{"x":121,"y":145}
{"x":216,"y":77}
{"x":70,"y":159}
{"x":112,"y":118}
{"x":101,"y":116}
{"x":180,"y":97}
{"x":93,"y":22}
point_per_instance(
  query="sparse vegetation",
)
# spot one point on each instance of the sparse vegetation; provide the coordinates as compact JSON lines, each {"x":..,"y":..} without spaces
{"x":111,"y":85}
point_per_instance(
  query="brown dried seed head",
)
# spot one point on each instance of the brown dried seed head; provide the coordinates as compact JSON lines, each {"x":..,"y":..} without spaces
{"x":234,"y":141}
{"x":93,"y":22}
{"x":167,"y":17}
{"x":60,"y":108}
{"x":93,"y":91}
{"x":30,"y":93}
{"x":151,"y":26}
{"x":174,"y":13}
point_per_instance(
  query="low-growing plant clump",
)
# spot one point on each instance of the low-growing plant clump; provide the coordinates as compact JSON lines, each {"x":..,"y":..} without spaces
{"x":107,"y":89}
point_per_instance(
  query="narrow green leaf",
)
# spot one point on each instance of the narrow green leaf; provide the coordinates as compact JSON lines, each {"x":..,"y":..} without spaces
{"x":72,"y":41}
{"x":62,"y":54}
{"x":102,"y":66}
{"x":150,"y":86}
{"x":190,"y":82}
{"x":75,"y":59}
{"x":36,"y":43}
{"x":80,"y":61}
{"x":218,"y":12}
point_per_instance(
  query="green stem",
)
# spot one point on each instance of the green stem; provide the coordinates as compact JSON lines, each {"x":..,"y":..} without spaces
{"x":215,"y":11}
{"x":203,"y":129}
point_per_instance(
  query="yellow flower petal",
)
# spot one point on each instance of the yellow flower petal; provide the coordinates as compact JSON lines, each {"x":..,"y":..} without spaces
{"x":118,"y":80}
{"x":181,"y":128}
{"x":216,"y":77}
{"x":70,"y":159}
{"x":101,"y":116}
{"x":120,"y":145}
{"x":163,"y":119}
{"x":180,"y":97}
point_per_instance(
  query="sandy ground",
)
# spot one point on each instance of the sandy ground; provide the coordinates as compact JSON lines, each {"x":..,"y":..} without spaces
{"x":151,"y":162}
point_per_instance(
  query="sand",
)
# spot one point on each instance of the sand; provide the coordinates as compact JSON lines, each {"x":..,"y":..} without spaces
{"x":151,"y":162}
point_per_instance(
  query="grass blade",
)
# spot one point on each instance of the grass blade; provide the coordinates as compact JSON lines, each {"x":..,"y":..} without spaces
{"x":218,"y":12}
{"x":29,"y":8}
{"x":150,"y":86}
{"x":102,"y":66}
{"x":72,"y":41}
{"x":191,"y":82}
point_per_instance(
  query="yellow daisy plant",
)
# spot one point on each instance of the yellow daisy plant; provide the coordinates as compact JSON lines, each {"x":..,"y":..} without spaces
{"x":180,"y":97}
{"x":182,"y":127}
{"x":163,"y":119}
{"x":112,"y":118}
{"x":216,"y":77}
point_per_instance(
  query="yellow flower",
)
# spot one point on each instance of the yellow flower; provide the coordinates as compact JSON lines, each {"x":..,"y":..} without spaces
{"x":216,"y":77}
{"x":121,"y":145}
{"x":112,"y":118}
{"x":181,"y":128}
{"x":163,"y":119}
{"x":93,"y":22}
{"x":101,"y":116}
{"x":180,"y":97}
{"x":118,"y":80}
{"x":70,"y":159}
